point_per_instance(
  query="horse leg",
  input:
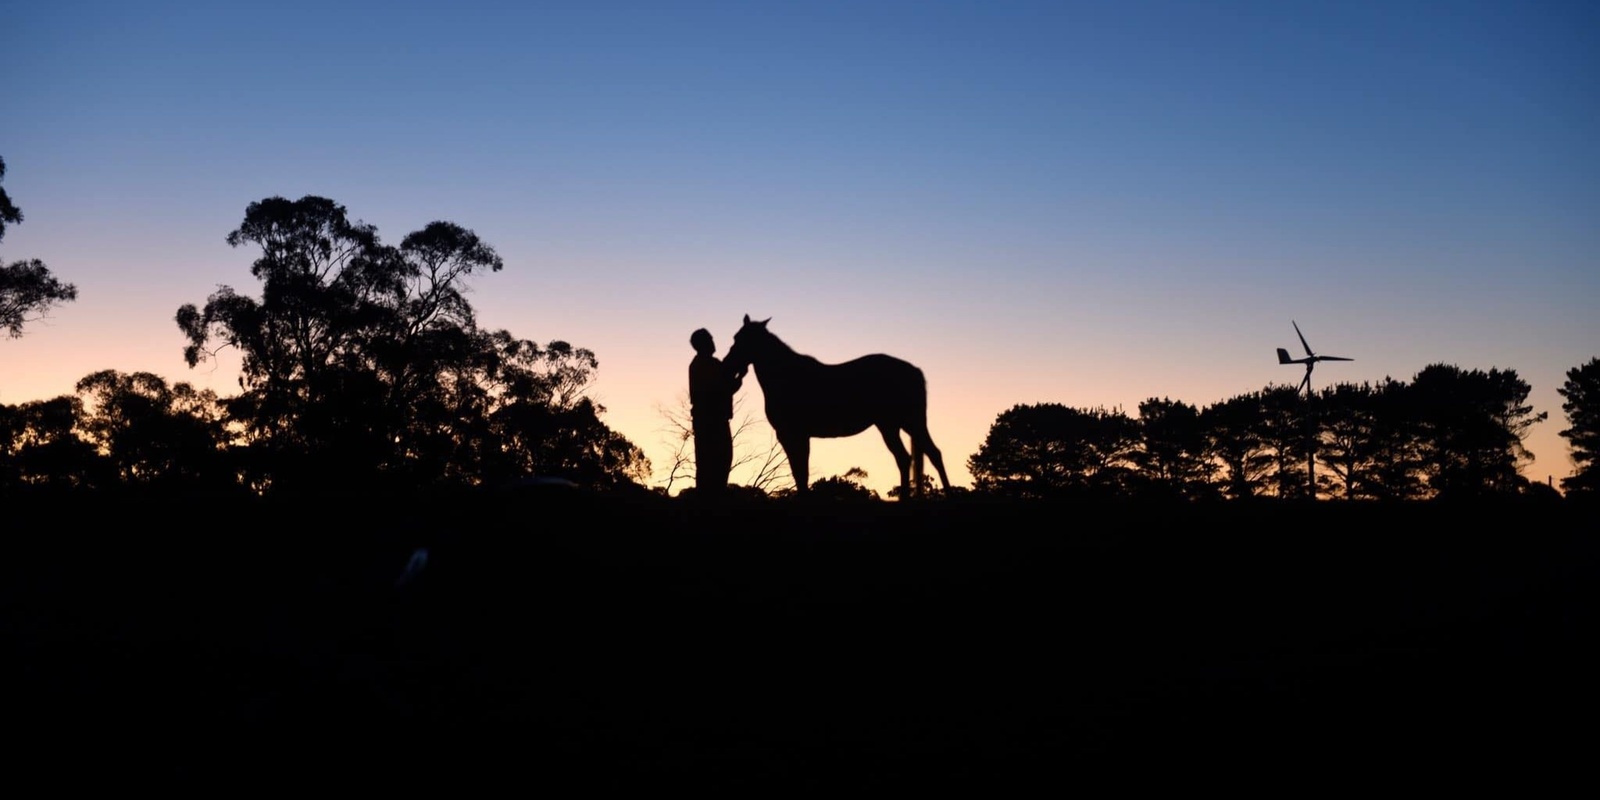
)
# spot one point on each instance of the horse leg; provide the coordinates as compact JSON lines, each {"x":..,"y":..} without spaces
{"x":917,"y":470}
{"x":923,"y":442}
{"x":798,"y":450}
{"x":902,"y":459}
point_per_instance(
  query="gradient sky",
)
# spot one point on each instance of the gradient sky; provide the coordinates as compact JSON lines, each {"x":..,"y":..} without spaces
{"x":1090,"y":203}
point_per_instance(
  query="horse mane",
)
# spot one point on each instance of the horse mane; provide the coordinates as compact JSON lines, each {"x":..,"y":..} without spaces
{"x":783,"y":348}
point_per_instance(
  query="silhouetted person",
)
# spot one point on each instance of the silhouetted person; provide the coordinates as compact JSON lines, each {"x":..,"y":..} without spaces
{"x":711,"y":389}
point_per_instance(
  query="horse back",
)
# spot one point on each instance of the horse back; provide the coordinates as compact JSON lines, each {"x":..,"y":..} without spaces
{"x":833,"y":400}
{"x":884,"y":371}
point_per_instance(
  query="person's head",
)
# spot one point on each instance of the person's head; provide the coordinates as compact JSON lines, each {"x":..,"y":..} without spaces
{"x":701,"y":340}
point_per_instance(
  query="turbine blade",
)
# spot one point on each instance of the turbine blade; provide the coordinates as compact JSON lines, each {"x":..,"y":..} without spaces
{"x":1302,"y":337}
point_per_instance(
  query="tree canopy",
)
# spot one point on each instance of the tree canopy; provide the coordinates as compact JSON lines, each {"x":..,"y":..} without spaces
{"x":1581,"y":404}
{"x":363,"y":362}
{"x":1450,"y":432}
{"x":27,"y":289}
{"x":1049,"y":449}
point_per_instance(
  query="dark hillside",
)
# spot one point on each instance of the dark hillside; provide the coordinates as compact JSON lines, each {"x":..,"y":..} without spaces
{"x":557,"y":637}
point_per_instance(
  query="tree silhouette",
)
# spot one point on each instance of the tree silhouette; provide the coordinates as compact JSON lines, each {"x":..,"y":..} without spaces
{"x":1234,"y":442}
{"x":1472,"y":427}
{"x":362,"y":363}
{"x":1172,"y":456}
{"x":758,"y":465}
{"x":1581,"y":403}
{"x":1397,"y":446}
{"x":9,"y":213}
{"x":1052,"y":450}
{"x":849,"y":486}
{"x":1449,"y":433}
{"x":569,"y":441}
{"x":152,"y":433}
{"x":39,"y":448}
{"x":1288,"y":430}
{"x":1369,"y":443}
{"x":27,"y":289}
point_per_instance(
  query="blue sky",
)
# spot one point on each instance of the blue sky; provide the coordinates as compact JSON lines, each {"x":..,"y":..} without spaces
{"x":1085,"y":203}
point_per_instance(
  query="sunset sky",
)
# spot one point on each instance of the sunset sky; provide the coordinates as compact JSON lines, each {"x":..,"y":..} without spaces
{"x":1090,"y":203}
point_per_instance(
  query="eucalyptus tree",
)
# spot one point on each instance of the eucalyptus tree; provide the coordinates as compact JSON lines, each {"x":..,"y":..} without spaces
{"x":27,"y":288}
{"x":40,"y":447}
{"x":363,"y":363}
{"x":155,"y":434}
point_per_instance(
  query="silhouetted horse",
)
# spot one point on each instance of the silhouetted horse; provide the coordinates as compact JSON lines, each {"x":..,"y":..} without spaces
{"x":809,"y":399}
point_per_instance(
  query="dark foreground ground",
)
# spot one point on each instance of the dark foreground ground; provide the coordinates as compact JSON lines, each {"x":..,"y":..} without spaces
{"x":560,"y":641}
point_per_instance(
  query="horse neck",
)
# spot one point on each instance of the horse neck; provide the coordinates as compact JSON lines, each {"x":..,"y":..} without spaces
{"x":781,"y":359}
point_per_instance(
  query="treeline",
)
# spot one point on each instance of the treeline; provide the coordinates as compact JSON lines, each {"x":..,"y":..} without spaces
{"x":362,"y":367}
{"x":1447,"y":433}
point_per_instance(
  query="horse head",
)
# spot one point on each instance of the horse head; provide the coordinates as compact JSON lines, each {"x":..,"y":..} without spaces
{"x":751,"y":342}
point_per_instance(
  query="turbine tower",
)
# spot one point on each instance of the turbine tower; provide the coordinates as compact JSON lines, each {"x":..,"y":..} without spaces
{"x":1310,"y":360}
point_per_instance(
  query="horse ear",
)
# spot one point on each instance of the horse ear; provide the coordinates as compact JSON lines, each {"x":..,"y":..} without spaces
{"x":747,"y":319}
{"x":765,"y":321}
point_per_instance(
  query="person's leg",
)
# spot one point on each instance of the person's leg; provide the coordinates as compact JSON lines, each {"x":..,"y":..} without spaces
{"x":703,"y":458}
{"x":721,"y":455}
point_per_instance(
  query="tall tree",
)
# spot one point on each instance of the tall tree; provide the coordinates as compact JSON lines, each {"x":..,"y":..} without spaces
{"x":1369,"y":442}
{"x":1365,"y":444}
{"x":311,"y":403}
{"x":1581,"y":403}
{"x":1233,"y":431}
{"x":1472,"y":424}
{"x":27,"y":289}
{"x":363,"y":363}
{"x":1288,"y":430}
{"x":1171,"y":454}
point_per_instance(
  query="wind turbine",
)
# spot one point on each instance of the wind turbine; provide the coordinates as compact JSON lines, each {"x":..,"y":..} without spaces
{"x":1310,"y":360}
